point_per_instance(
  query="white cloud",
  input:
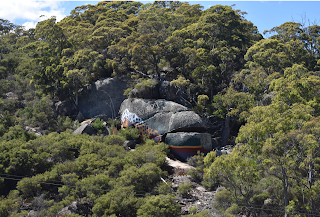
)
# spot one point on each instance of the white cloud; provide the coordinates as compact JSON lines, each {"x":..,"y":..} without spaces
{"x":27,"y":12}
{"x":28,"y":25}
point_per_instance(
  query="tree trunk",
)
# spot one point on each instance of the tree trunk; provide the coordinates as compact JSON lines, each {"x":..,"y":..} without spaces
{"x":310,"y":182}
{"x":156,"y":66}
{"x":226,"y":131}
{"x":285,"y":190}
{"x":76,"y":101}
{"x":76,"y":89}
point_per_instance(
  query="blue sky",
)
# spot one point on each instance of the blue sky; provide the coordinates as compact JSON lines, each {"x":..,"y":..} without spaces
{"x":263,"y":14}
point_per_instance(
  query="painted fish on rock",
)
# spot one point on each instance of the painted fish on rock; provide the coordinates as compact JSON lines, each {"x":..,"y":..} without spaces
{"x":131,"y":119}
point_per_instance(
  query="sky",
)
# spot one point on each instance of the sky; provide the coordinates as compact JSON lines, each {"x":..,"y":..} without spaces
{"x":263,"y":14}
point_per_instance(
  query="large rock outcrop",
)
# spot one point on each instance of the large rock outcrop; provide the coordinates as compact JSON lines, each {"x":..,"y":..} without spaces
{"x":147,"y":92}
{"x":167,"y":91}
{"x":85,"y":128}
{"x":164,"y":116}
{"x":161,"y":90}
{"x":176,"y":121}
{"x":147,"y":108}
{"x":66,"y":108}
{"x":182,"y":129}
{"x":103,"y":97}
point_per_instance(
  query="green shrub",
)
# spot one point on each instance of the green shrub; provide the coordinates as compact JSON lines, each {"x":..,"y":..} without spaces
{"x":127,"y":91}
{"x":52,"y":210}
{"x":160,"y":206}
{"x":202,"y":100}
{"x":199,"y":109}
{"x":130,"y":133}
{"x":113,"y":124}
{"x":180,"y":82}
{"x":115,"y":140}
{"x":164,"y":188}
{"x":40,"y":203}
{"x":144,"y":179}
{"x":209,"y":158}
{"x":2,"y":130}
{"x":223,"y":199}
{"x":100,"y":170}
{"x":149,"y":151}
{"x":99,"y":125}
{"x":38,"y":94}
{"x":7,"y":120}
{"x":196,"y":174}
{"x":142,"y":85}
{"x":184,"y":189}
{"x":29,"y":187}
{"x":196,"y":160}
{"x":145,"y":83}
{"x":39,"y":113}
{"x":233,"y":210}
{"x":193,"y":210}
{"x":209,"y":183}
{"x":119,"y":204}
{"x":64,"y":122}
{"x":17,"y":132}
{"x":28,"y":96}
{"x":10,"y":204}
{"x":3,"y":210}
{"x":9,"y":106}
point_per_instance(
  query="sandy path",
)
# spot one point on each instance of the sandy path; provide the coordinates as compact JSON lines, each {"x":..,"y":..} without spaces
{"x":179,"y":165}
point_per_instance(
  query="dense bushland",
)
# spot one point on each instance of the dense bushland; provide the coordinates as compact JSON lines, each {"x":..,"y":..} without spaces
{"x":263,"y":94}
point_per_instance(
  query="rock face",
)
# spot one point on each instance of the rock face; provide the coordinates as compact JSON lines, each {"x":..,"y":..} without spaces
{"x":167,"y":91}
{"x":66,"y":108}
{"x":11,"y":95}
{"x":164,"y":116}
{"x":129,"y":144}
{"x":147,"y":108}
{"x":80,"y":117}
{"x":76,"y":207}
{"x":162,"y":90}
{"x":185,"y":144}
{"x":36,"y":130}
{"x":85,"y":128}
{"x":189,"y":139}
{"x":176,"y":121}
{"x":103,"y":97}
{"x":151,"y":92}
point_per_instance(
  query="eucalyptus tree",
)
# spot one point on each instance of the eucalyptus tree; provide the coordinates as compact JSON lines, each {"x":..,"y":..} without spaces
{"x":240,"y":175}
{"x":48,"y":49}
{"x":299,"y":35}
{"x":281,"y":136}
